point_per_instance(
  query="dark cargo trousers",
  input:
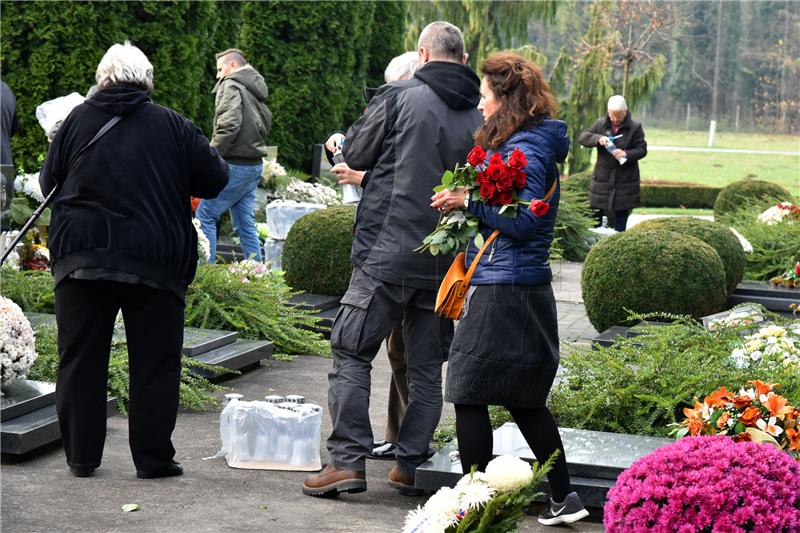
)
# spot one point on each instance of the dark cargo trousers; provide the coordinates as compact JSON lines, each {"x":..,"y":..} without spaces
{"x":369,"y":310}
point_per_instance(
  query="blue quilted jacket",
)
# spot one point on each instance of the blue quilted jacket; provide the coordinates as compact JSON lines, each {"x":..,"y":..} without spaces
{"x":520,"y":254}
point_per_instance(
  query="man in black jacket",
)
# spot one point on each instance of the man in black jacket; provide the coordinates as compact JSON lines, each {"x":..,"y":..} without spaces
{"x":121,"y":237}
{"x":412,"y":132}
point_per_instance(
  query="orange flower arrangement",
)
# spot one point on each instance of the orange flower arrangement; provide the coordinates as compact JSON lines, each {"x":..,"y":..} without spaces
{"x":757,"y":414}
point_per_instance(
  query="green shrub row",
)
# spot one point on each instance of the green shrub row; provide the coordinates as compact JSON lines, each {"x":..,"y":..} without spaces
{"x":689,"y":195}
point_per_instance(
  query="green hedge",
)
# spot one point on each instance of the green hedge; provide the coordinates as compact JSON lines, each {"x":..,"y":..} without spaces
{"x":50,"y":50}
{"x":317,"y":57}
{"x":316,"y":254}
{"x":651,"y":271}
{"x":749,"y":194}
{"x":716,"y":235}
{"x":689,"y":195}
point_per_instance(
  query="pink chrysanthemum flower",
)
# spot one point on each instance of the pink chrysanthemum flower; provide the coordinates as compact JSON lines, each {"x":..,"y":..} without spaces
{"x":708,"y":484}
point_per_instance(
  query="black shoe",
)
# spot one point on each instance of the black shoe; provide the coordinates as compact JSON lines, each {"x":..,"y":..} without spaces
{"x":383,"y":450}
{"x":81,"y":471}
{"x":174,"y":469}
{"x":569,"y":511}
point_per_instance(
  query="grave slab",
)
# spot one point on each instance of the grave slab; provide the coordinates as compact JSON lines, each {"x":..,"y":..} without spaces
{"x":36,"y":429}
{"x":234,"y":356}
{"x":594,"y":459}
{"x":24,"y":396}
{"x":197,"y":341}
{"x":320,"y":302}
{"x":763,"y":288}
{"x":609,"y":336}
{"x":777,"y":304}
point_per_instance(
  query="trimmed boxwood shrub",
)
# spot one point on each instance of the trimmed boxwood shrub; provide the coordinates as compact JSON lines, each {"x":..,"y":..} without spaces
{"x":651,"y":271}
{"x":688,"y":195}
{"x":316,"y":254}
{"x":747,"y":194}
{"x":713,"y":234}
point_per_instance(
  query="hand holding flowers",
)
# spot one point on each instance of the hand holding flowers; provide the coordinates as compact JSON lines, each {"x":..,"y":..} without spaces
{"x":494,"y":182}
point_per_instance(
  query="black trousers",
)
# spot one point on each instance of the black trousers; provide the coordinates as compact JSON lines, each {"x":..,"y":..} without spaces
{"x":85,"y":313}
{"x":620,"y":218}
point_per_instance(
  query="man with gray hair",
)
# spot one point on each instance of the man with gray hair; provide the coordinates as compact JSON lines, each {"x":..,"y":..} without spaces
{"x":242,"y":121}
{"x":411,"y":133}
{"x":620,"y":143}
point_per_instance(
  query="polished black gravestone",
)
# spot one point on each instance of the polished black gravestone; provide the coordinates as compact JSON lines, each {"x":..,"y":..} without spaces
{"x":595,"y":459}
{"x":197,"y":341}
{"x":327,"y":305}
{"x":238,"y":355}
{"x":609,"y":336}
{"x":36,"y":429}
{"x":23,"y":396}
{"x":777,"y":299}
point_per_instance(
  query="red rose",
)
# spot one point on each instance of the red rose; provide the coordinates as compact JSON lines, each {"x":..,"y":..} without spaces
{"x":476,"y":156}
{"x":539,"y":207}
{"x":505,"y":183}
{"x":487,"y":190}
{"x":797,"y":268}
{"x":519,"y":179}
{"x":517,"y":160}
{"x":496,"y":159}
{"x":504,"y":197}
{"x":480,"y":178}
{"x":495,"y":171}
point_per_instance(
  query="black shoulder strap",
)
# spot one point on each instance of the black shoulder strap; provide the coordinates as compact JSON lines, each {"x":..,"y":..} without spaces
{"x":107,"y":126}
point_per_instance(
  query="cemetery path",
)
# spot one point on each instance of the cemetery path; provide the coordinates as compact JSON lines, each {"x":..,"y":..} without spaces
{"x":39,"y":494}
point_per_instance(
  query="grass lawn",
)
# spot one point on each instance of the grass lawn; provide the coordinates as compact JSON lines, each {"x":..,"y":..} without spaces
{"x":719,"y":169}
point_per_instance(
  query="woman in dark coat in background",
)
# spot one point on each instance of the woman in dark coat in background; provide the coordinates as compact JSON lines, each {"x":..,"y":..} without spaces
{"x":505,"y":350}
{"x":615,"y":185}
{"x":122,"y":238}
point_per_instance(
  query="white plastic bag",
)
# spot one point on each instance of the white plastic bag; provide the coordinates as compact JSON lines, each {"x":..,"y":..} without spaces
{"x":281,"y":214}
{"x":52,"y":111}
{"x":263,"y":436}
{"x":273,"y":252}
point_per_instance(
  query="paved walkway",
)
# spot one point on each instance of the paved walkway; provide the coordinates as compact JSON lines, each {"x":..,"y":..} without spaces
{"x":38,"y":494}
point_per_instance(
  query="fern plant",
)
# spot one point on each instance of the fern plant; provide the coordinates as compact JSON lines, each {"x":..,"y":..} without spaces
{"x":256,"y":306}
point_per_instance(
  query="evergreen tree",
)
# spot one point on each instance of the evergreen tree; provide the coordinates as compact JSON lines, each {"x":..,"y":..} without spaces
{"x":51,"y":50}
{"x":313,"y":56}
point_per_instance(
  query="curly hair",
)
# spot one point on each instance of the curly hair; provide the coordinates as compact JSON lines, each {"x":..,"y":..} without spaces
{"x":523,"y":93}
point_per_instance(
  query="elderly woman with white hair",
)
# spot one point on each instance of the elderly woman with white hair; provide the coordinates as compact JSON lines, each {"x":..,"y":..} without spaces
{"x":122,"y":238}
{"x":615,"y":181}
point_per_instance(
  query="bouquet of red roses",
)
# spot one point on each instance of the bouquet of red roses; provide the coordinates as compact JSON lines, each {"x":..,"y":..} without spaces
{"x":495,"y":182}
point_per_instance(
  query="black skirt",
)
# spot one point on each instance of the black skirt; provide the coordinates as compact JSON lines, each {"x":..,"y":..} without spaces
{"x":505,"y":350}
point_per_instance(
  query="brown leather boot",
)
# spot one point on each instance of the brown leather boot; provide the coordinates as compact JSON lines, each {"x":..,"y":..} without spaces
{"x":403,"y":482}
{"x":333,"y":481}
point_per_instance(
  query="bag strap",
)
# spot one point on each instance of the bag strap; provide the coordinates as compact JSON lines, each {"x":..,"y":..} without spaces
{"x":494,"y":235}
{"x":107,"y":126}
{"x":474,"y":264}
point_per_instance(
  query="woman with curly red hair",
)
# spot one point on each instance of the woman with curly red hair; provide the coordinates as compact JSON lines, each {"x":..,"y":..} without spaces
{"x":505,"y":350}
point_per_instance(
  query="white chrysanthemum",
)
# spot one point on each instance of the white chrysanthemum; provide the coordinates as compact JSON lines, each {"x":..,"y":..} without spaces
{"x":475,"y":494}
{"x":203,"y":244}
{"x":507,"y":473}
{"x":314,"y":193}
{"x":415,"y":520}
{"x":472,"y":477}
{"x":17,"y":342}
{"x":746,"y":246}
{"x":28,"y":184}
{"x":443,"y":507}
{"x":271,"y":168}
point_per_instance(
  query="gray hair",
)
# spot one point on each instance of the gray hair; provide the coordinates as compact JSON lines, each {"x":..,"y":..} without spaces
{"x":443,"y":40}
{"x":401,"y":67}
{"x":617,"y":103}
{"x":124,"y":64}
